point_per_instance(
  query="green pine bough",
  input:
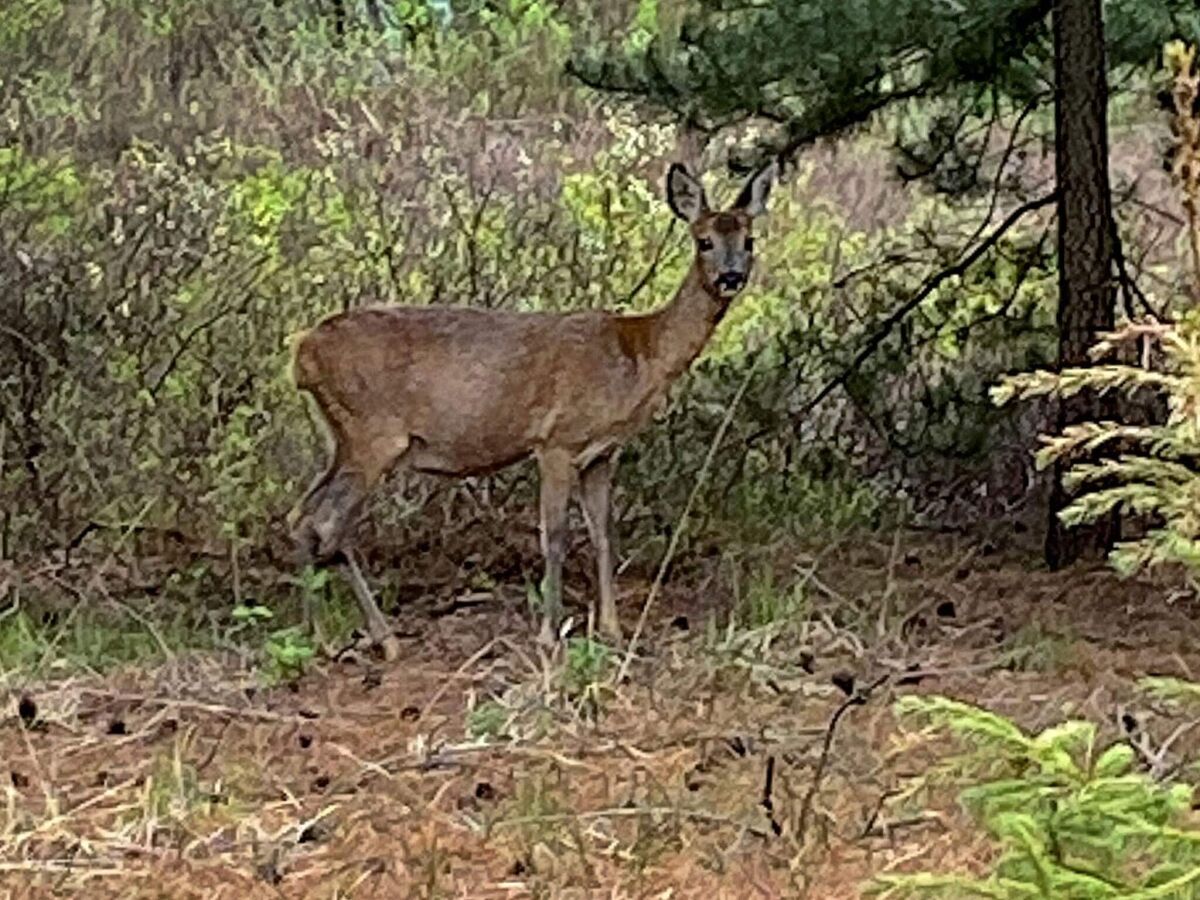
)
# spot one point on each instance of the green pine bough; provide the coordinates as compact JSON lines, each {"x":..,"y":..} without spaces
{"x":1152,"y":472}
{"x":1073,"y":820}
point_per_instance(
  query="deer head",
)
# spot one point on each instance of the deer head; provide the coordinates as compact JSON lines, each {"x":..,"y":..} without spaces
{"x":724,"y":240}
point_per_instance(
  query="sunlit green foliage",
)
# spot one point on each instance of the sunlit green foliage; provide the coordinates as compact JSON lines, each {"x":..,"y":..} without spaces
{"x":220,"y":176}
{"x":1152,"y":475}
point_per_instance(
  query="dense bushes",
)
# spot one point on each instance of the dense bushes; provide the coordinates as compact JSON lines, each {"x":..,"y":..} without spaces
{"x":187,"y":185}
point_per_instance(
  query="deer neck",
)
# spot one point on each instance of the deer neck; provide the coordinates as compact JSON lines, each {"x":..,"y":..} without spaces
{"x":683,"y":326}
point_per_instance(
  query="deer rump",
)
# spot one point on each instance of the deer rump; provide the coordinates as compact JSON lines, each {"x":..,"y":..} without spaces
{"x":466,"y":391}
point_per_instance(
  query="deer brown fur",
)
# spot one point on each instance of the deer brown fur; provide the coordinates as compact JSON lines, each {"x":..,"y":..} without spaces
{"x":466,"y":391}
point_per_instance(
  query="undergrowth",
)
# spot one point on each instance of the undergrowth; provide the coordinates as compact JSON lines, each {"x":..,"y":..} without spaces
{"x":46,"y":640}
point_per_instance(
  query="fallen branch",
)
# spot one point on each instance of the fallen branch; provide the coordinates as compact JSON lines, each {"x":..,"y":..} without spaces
{"x":626,"y":812}
{"x":214,"y":709}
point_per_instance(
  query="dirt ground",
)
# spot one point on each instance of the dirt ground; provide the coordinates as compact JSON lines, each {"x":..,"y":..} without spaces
{"x":708,"y":768}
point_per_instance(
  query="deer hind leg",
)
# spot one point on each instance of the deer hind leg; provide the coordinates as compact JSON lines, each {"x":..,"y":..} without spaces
{"x":557,"y":475}
{"x":595,"y":489}
{"x":377,"y":626}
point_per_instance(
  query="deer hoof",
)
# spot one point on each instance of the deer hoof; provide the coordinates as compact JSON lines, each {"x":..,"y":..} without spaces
{"x":610,"y":630}
{"x":548,"y":636}
{"x":388,"y":647}
{"x":385,"y":648}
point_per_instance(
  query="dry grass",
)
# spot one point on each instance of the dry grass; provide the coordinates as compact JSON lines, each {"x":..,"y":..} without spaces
{"x":187,"y":780}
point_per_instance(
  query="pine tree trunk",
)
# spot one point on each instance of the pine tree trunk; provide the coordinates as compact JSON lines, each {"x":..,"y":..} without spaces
{"x":1087,"y":289}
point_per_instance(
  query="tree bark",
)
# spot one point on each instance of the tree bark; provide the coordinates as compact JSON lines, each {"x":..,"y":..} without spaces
{"x":1087,"y":288}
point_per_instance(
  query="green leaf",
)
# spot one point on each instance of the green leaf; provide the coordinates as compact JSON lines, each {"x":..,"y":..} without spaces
{"x":243,"y":613}
{"x":1116,"y":760}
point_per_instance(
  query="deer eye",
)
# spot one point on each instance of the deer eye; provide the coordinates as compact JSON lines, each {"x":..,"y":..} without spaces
{"x":749,"y":244}
{"x":704,"y":244}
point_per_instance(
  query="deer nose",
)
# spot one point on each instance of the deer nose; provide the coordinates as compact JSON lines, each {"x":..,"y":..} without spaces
{"x":731,"y":280}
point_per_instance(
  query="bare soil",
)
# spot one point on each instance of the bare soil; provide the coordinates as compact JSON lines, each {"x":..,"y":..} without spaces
{"x":188,"y":779}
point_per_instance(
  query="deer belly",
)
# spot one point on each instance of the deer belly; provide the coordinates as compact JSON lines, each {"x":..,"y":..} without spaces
{"x":463,"y":458}
{"x":594,"y":451}
{"x":469,"y":417}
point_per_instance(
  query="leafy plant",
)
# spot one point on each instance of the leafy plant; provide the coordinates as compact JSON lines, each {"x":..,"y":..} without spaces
{"x":1034,"y":649}
{"x":487,"y":720}
{"x":1171,"y":690}
{"x":1072,"y":820}
{"x":173,"y":788}
{"x":582,"y":678}
{"x":288,"y":653}
{"x":765,"y":603}
{"x":251,"y":614}
{"x":531,"y":813}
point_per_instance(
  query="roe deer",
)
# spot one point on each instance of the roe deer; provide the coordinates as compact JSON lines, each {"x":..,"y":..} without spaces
{"x":462,"y":391}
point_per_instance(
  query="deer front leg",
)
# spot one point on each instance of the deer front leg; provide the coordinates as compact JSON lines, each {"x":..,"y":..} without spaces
{"x":324,"y":520}
{"x":377,"y":626}
{"x":596,"y":493}
{"x":557,"y":474}
{"x":321,"y":531}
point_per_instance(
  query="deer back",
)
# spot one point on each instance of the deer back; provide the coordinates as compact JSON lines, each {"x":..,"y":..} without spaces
{"x":473,"y":389}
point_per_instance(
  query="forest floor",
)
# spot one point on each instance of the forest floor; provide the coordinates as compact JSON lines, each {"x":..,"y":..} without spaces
{"x":476,"y":766}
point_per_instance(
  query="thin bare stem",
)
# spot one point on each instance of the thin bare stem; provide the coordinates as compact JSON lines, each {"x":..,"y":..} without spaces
{"x":676,"y":535}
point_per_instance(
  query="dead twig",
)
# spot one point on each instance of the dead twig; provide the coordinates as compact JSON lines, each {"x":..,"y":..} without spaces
{"x":767,"y":802}
{"x":858,"y":698}
{"x":677,"y":533}
{"x":453,"y":679}
{"x":627,"y":812}
{"x":213,"y":709}
{"x":889,"y":324}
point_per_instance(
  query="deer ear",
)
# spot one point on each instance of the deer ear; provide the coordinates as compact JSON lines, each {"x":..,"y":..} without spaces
{"x":753,"y":198}
{"x":685,"y":194}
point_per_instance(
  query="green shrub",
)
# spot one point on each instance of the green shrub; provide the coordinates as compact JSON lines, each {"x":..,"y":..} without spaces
{"x":487,"y":720}
{"x":1071,"y":820}
{"x":583,"y":674}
